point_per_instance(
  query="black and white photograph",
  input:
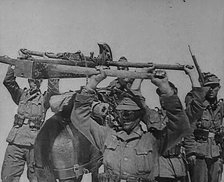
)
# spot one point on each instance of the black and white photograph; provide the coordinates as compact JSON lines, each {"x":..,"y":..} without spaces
{"x":112,"y":90}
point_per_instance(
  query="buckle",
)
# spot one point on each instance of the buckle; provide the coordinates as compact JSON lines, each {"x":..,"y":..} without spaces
{"x":79,"y":170}
{"x":76,"y":167}
{"x":26,"y":121}
{"x":211,"y":135}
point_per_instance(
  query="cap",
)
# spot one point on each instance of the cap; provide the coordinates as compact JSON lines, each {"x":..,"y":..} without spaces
{"x":127,"y":104}
{"x":210,"y":78}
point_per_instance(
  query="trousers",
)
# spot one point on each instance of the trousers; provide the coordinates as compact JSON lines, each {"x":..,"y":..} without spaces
{"x":16,"y":156}
{"x":206,"y":170}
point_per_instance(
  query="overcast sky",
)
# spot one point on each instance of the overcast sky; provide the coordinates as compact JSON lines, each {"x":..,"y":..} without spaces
{"x":142,"y":30}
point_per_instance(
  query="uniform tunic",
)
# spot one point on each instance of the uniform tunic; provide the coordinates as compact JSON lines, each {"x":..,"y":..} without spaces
{"x":204,"y":145}
{"x":136,"y":154}
{"x":172,"y":165}
{"x":31,"y":112}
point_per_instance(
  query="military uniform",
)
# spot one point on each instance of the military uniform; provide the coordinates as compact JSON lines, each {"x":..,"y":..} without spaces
{"x":206,"y":140}
{"x":32,"y":107}
{"x":205,"y":146}
{"x":172,"y":164}
{"x":134,"y":156}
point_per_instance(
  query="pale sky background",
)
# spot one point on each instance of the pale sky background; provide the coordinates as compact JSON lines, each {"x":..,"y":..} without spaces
{"x":142,"y":30}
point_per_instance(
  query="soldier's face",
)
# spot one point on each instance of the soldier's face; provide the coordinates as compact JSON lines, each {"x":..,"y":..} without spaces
{"x":129,"y":119}
{"x":34,"y":84}
{"x":213,"y":91}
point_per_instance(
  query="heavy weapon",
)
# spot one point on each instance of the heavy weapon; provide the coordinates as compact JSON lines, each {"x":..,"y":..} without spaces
{"x":201,"y":77}
{"x":76,"y":65}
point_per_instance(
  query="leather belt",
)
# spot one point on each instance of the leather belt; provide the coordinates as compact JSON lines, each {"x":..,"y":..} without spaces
{"x":68,"y":173}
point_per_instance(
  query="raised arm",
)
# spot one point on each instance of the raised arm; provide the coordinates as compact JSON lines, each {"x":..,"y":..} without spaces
{"x":12,"y":86}
{"x":195,"y":98}
{"x":178,"y":124}
{"x":52,"y":89}
{"x":81,"y":113}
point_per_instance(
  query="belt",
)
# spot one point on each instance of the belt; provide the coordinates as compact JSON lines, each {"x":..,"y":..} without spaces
{"x":211,"y":135}
{"x":172,"y":156}
{"x":106,"y":177}
{"x":68,"y":173}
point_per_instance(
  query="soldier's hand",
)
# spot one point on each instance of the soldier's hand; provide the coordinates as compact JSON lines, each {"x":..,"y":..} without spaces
{"x":96,"y":79}
{"x":160,"y":79}
{"x":189,"y":69}
{"x":192,"y":160}
{"x":192,"y":73}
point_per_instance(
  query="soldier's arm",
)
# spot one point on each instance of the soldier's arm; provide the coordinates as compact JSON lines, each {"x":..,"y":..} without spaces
{"x":194,"y":103}
{"x":195,"y":98}
{"x":178,"y":124}
{"x":52,"y":89}
{"x":81,"y":113}
{"x":12,"y":86}
{"x":189,"y":144}
{"x":81,"y":118}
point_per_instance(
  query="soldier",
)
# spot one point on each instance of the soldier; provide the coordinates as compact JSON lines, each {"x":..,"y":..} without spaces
{"x":172,"y":164}
{"x":32,"y":107}
{"x":131,"y":154}
{"x":204,"y":145}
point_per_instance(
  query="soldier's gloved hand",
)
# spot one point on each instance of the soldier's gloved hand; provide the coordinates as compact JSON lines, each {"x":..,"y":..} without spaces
{"x":189,"y":70}
{"x":193,"y":75}
{"x":95,"y":80}
{"x":191,"y":160}
{"x":160,"y":79}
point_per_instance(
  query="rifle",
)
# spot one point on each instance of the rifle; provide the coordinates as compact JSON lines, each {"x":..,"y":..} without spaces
{"x":76,"y":65}
{"x":201,"y":77}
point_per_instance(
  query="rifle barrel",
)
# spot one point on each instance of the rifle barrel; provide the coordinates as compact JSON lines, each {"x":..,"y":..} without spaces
{"x":201,"y":77}
{"x":65,"y":71}
{"x":7,"y":60}
{"x":147,"y":65}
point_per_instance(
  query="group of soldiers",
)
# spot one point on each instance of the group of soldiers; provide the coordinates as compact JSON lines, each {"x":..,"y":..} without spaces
{"x":171,"y":143}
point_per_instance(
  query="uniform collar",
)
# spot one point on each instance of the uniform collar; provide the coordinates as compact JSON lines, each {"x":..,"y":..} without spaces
{"x":136,"y":133}
{"x":208,"y":105}
{"x":37,"y":91}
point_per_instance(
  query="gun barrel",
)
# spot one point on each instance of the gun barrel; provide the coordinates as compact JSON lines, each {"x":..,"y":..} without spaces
{"x":65,"y":71}
{"x":201,"y":77}
{"x":7,"y":60}
{"x":146,"y":65}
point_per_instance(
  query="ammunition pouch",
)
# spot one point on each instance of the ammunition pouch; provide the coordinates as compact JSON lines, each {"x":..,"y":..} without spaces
{"x":173,"y":152}
{"x":18,"y":120}
{"x":201,"y":135}
{"x":219,"y":138}
{"x":34,"y":123}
